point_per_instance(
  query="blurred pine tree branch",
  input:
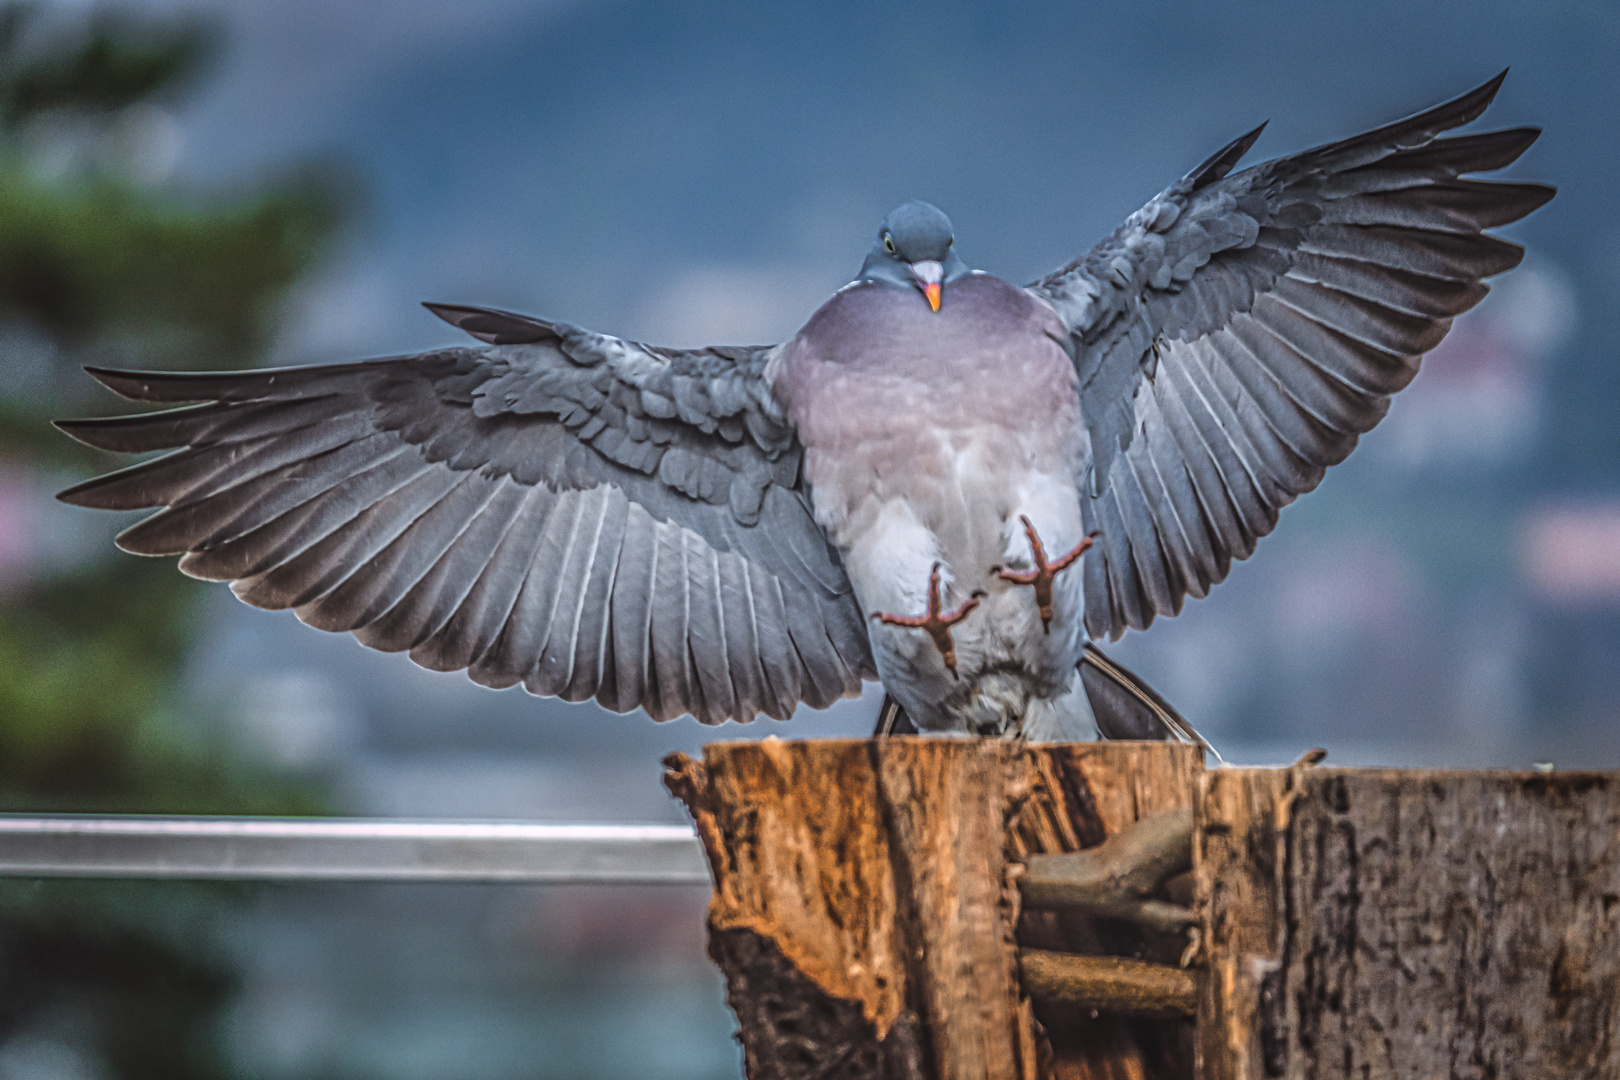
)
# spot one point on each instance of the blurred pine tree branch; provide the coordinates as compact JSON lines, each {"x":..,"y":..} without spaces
{"x":99,"y":263}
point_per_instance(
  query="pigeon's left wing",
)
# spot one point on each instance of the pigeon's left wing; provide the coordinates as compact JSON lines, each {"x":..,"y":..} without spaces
{"x":1239,"y":332}
{"x":583,"y":515}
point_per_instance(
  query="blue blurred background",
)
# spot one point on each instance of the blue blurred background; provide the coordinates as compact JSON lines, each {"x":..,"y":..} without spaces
{"x":691,"y":174}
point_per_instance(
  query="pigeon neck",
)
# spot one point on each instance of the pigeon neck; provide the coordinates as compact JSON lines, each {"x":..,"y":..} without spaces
{"x":891,"y":271}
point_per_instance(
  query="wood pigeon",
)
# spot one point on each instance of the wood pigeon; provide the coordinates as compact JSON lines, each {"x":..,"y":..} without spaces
{"x":945,"y":481}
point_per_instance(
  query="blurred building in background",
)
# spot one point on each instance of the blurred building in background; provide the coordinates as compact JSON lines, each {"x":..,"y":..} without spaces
{"x":1451,"y":594}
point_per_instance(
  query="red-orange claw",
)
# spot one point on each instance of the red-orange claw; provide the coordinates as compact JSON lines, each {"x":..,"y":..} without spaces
{"x":1042,"y":576}
{"x":935,"y":623}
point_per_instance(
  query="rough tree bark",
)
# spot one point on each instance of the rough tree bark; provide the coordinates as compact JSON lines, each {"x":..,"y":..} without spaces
{"x":1387,"y":923}
{"x":866,"y":913}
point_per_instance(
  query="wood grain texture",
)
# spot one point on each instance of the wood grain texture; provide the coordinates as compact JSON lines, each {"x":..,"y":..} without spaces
{"x":1121,"y":878}
{"x":799,"y":851}
{"x":1406,"y":923}
{"x":1378,"y":924}
{"x":1237,"y":892}
{"x":1112,"y":984}
{"x":947,"y":804}
{"x":864,"y":910}
{"x":1080,"y":794}
{"x":876,"y":871}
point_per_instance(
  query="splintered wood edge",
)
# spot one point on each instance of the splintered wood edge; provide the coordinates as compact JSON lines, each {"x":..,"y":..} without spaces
{"x":1111,"y":984}
{"x":688,"y":781}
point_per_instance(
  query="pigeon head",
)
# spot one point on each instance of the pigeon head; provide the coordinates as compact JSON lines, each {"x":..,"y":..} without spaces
{"x":915,"y":249}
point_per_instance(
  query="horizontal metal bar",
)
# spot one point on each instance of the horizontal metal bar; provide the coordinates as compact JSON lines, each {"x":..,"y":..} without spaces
{"x":347,"y":849}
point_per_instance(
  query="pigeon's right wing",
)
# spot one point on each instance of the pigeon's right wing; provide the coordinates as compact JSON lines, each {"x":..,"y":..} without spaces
{"x":583,"y":515}
{"x":1239,"y":332}
{"x":1124,"y":706}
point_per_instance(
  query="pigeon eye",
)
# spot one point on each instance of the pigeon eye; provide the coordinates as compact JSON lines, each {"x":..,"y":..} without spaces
{"x":888,"y":243}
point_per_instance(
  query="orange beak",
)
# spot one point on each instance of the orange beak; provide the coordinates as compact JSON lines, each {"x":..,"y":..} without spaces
{"x":930,"y":277}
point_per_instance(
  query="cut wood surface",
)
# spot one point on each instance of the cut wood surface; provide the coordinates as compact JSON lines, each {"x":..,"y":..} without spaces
{"x":865,"y":905}
{"x":1384,"y":923}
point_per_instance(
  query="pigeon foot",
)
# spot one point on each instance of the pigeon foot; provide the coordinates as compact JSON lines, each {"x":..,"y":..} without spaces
{"x":937,"y":624}
{"x":1042,"y":576}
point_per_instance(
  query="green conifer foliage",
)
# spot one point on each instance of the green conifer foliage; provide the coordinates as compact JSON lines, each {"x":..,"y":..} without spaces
{"x":100,"y":264}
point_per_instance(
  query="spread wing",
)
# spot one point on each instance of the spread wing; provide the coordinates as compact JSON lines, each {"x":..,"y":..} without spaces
{"x":1239,"y":332}
{"x":583,"y":515}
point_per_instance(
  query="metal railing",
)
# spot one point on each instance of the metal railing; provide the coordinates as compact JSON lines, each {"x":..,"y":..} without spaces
{"x":347,"y":849}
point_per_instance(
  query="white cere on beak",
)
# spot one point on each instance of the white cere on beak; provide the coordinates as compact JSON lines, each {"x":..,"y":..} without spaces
{"x":928,"y":272}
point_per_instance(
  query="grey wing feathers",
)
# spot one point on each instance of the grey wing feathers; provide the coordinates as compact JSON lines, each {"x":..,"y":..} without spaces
{"x":1238,"y":334}
{"x":582,"y":515}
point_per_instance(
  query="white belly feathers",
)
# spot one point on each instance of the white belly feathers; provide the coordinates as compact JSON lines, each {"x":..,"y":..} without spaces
{"x":968,"y":522}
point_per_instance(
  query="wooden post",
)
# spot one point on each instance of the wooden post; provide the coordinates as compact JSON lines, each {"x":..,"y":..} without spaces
{"x":1378,"y":923}
{"x":1386,"y":923}
{"x":866,"y":913}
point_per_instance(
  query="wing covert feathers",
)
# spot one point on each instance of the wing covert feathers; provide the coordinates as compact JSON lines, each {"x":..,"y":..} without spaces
{"x":1242,"y":330}
{"x":579,"y":515}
